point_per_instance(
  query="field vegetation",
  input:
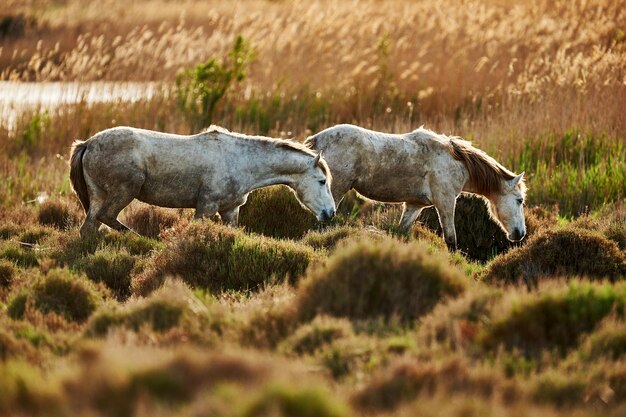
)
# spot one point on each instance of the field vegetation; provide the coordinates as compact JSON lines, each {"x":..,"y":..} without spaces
{"x":287,"y":317}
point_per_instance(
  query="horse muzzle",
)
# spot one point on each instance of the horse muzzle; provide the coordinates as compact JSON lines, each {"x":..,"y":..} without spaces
{"x":326,"y":215}
{"x":516,"y":235}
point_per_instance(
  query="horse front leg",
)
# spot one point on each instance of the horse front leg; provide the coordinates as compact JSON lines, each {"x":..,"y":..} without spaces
{"x":206,"y":208}
{"x":410,"y":213}
{"x":230,"y":217}
{"x":446,"y":219}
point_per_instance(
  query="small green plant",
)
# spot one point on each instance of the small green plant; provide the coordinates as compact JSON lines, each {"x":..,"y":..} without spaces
{"x":33,"y":133}
{"x":199,"y":89}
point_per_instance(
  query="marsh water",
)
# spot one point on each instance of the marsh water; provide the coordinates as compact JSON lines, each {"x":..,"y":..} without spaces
{"x":17,"y":97}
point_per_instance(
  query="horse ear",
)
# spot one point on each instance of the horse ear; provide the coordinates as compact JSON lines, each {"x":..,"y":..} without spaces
{"x":517,"y":179}
{"x":317,"y":159}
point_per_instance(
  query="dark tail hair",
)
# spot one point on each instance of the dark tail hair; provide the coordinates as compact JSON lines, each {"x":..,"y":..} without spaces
{"x":77,"y":177}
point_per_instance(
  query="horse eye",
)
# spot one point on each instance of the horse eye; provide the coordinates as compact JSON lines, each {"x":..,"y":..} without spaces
{"x":323,"y":182}
{"x":520,"y":201}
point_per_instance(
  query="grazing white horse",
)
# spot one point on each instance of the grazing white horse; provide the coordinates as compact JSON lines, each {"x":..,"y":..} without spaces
{"x":421,"y":169}
{"x":213,"y":172}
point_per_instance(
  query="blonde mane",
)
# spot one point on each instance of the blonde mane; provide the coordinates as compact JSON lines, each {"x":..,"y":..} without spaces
{"x":288,"y":144}
{"x":487,"y":176}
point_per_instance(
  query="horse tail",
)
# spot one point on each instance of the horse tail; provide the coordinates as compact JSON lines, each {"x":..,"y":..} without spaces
{"x":77,"y":176}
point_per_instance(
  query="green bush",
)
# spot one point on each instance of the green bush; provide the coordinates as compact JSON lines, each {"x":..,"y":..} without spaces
{"x":287,"y":401}
{"x":554,"y":320}
{"x":111,"y":268}
{"x":608,"y":341}
{"x":60,"y":292}
{"x":199,"y":89}
{"x":217,"y":257}
{"x":380,"y":278}
{"x":275,"y":212}
{"x":561,"y":252}
{"x":21,"y":257}
{"x":558,"y":389}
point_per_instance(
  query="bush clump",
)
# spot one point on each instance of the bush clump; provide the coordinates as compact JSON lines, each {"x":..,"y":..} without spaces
{"x":7,"y":273}
{"x":217,"y":257}
{"x":608,"y":341}
{"x":60,"y":292}
{"x":329,"y":238}
{"x":561,"y":252}
{"x":555,"y":320}
{"x":149,"y":221}
{"x":111,"y":268}
{"x":407,"y":380}
{"x":323,"y":330}
{"x":57,"y":214}
{"x":380,"y":278}
{"x":287,"y":401}
{"x":21,"y":257}
{"x":275,"y":212}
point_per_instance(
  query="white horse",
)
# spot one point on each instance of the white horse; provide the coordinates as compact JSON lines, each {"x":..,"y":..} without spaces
{"x":213,"y":172}
{"x":421,"y":169}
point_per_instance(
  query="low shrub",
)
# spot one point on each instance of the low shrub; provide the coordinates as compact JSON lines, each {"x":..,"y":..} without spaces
{"x":111,"y":268}
{"x":275,"y":212}
{"x":72,"y":248}
{"x":558,"y":389}
{"x":7,"y":273}
{"x":22,"y":257}
{"x":58,"y":214}
{"x":217,"y":257}
{"x":554,"y":320}
{"x":288,"y":401}
{"x":561,"y":252}
{"x":310,"y":337}
{"x":380,"y":278}
{"x":34,"y":235}
{"x":60,"y":292}
{"x":407,"y":380}
{"x":330,"y":237}
{"x":149,"y":221}
{"x":608,"y":341}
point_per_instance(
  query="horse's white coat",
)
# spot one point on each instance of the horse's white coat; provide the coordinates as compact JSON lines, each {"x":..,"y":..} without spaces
{"x":212,"y":171}
{"x":420,"y":170}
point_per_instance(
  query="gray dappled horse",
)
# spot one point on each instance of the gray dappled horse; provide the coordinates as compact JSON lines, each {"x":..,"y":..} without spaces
{"x":213,"y":172}
{"x":421,"y":169}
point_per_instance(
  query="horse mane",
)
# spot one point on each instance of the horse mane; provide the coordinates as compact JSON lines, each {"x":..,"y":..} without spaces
{"x":487,"y":175}
{"x":288,"y":144}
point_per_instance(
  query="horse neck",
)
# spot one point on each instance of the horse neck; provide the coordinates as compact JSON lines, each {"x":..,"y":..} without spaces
{"x":469,"y":187}
{"x":277,"y":166}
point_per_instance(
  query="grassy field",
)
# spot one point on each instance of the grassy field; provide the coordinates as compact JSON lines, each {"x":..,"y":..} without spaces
{"x":295,"y":318}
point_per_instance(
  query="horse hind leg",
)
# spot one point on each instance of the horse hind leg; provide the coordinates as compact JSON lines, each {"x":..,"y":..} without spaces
{"x":96,"y":198}
{"x":446,"y":219}
{"x":115,"y":202}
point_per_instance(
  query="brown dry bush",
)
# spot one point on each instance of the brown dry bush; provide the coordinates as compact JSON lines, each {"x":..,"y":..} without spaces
{"x":7,"y":273}
{"x":112,"y":268}
{"x":58,"y":213}
{"x":410,"y":379}
{"x":380,"y":278}
{"x":559,"y":252}
{"x":149,"y":221}
{"x":217,"y":257}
